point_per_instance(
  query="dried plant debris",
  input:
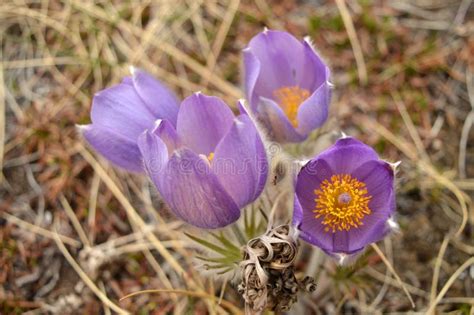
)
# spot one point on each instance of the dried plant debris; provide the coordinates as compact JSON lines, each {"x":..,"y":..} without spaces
{"x":268,"y":272}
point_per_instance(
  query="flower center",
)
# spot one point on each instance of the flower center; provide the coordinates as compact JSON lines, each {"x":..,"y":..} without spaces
{"x":342,"y":202}
{"x":290,"y":98}
{"x":210,"y":156}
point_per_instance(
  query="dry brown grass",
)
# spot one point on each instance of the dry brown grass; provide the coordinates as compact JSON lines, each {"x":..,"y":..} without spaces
{"x":77,"y":235}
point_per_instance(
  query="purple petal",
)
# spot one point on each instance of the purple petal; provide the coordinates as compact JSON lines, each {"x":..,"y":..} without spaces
{"x":165,"y":130}
{"x":313,"y":112}
{"x":240,"y":161}
{"x":347,"y":154}
{"x":314,"y":71}
{"x":160,"y":100}
{"x":311,"y":228}
{"x":252,"y":70}
{"x":194,"y":193}
{"x":379,"y":179}
{"x":118,"y":149}
{"x":277,"y":123}
{"x":310,"y":178}
{"x":154,"y":153}
{"x":121,"y":110}
{"x":281,"y":58}
{"x":203,"y":121}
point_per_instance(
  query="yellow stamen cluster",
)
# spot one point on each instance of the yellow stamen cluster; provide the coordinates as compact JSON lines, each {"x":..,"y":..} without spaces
{"x":290,"y":98}
{"x":342,"y":202}
{"x":210,"y":156}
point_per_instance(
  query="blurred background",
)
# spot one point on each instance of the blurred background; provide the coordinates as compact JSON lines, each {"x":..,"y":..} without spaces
{"x":76,"y":233}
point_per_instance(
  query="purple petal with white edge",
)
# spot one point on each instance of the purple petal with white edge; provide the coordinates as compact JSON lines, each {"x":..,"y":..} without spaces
{"x":310,"y":178}
{"x":311,"y":228}
{"x":193,"y":192}
{"x":379,"y":179}
{"x":154,"y":153}
{"x":118,"y":149}
{"x":315,"y":72}
{"x":277,"y":123}
{"x":242,"y":107}
{"x":313,"y":112}
{"x":240,"y":161}
{"x":347,"y":154}
{"x":203,"y":121}
{"x":165,"y":130}
{"x":160,"y":100}
{"x":120,"y":109}
{"x":281,"y":58}
{"x":252,"y":70}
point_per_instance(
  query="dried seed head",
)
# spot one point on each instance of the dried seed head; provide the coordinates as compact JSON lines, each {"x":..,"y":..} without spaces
{"x":268,"y":276}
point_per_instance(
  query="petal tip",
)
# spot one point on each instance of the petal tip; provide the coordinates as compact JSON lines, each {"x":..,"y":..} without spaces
{"x":82,"y":128}
{"x":395,"y":165}
{"x":393,"y":225}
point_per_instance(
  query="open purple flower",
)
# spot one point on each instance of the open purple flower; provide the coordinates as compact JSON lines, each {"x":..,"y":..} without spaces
{"x":344,"y":198}
{"x":121,"y":113}
{"x":287,"y":85}
{"x":210,"y":166}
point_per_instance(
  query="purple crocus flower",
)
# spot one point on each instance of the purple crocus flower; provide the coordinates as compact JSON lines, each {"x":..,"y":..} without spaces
{"x":210,"y":166}
{"x":287,"y":85}
{"x":122,"y":112}
{"x":344,"y":198}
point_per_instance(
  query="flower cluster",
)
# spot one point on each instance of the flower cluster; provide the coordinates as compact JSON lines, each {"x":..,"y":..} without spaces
{"x":208,"y":163}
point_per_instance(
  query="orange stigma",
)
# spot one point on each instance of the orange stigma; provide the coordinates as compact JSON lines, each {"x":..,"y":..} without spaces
{"x":342,"y":202}
{"x":290,"y":98}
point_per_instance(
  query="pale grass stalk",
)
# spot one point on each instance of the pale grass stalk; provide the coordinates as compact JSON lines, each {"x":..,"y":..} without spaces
{"x":454,"y":276}
{"x":226,"y":304}
{"x":463,"y":300}
{"x":143,"y":230}
{"x":2,"y":119}
{"x":467,"y":125}
{"x":123,"y":46}
{"x":198,"y":25}
{"x":220,"y":38}
{"x":75,"y":222}
{"x":395,"y":274}
{"x":42,"y":62}
{"x":165,"y":47}
{"x":372,"y":125}
{"x":437,"y":268}
{"x":410,"y":126}
{"x":148,"y":35}
{"x":159,"y":271}
{"x":394,"y":283}
{"x":94,"y":192}
{"x":384,"y":289}
{"x":358,"y":54}
{"x":85,"y":278}
{"x":106,"y":307}
{"x":465,"y":184}
{"x":135,"y":219}
{"x":28,"y":227}
{"x":221,"y":295}
{"x":15,"y":10}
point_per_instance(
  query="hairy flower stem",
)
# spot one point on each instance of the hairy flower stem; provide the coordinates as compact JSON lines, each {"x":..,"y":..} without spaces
{"x":268,"y":274}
